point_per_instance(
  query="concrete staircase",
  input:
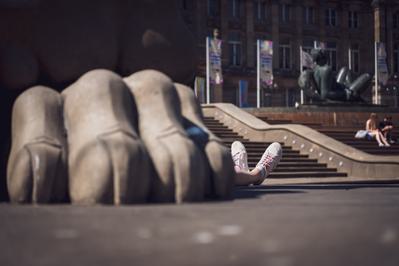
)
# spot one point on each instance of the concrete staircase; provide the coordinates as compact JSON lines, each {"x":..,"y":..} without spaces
{"x":292,"y":165}
{"x":345,"y":135}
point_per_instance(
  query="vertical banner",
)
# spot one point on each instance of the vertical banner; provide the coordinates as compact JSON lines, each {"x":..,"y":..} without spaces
{"x":382,"y":67}
{"x":199,"y":89}
{"x":266,"y":63}
{"x":215,"y":61}
{"x":243,"y":93}
{"x":264,"y":67}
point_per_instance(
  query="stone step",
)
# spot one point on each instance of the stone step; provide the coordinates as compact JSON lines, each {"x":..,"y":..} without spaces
{"x":253,"y":153}
{"x":297,"y":160}
{"x":280,"y":168}
{"x":376,"y":148}
{"x":306,"y":174}
{"x":257,"y":157}
{"x":301,"y":164}
{"x":248,"y":143}
{"x":292,"y":164}
{"x":227,"y":133}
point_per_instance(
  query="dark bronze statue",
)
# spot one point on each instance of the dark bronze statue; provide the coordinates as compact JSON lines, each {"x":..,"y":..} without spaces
{"x":320,"y":85}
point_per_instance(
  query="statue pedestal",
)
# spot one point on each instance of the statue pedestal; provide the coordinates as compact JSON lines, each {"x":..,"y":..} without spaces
{"x":352,"y":115}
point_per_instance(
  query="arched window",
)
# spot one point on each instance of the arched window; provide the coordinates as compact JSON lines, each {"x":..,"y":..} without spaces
{"x":235,"y":8}
{"x":260,"y":10}
{"x":285,"y":54}
{"x":234,"y":49}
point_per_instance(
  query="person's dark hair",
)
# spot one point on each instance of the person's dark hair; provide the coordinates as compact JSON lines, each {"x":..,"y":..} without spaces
{"x":319,"y":56}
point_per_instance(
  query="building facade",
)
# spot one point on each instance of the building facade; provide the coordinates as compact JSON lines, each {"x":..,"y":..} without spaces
{"x":348,"y":28}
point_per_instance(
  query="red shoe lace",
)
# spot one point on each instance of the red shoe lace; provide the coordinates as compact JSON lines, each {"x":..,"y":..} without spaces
{"x":266,"y":161}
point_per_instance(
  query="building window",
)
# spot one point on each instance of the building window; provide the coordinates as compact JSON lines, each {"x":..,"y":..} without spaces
{"x":354,"y":57}
{"x":308,"y":15}
{"x":353,"y":20}
{"x":331,"y":51}
{"x":260,"y":10}
{"x":285,"y":13}
{"x":395,"y":20}
{"x":396,"y":57}
{"x":285,"y":55}
{"x":234,"y":49}
{"x":214,"y":8}
{"x":331,"y":17}
{"x":234,"y":6}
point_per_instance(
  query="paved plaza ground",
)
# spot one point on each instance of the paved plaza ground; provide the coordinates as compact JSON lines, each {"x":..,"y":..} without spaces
{"x":288,"y":225}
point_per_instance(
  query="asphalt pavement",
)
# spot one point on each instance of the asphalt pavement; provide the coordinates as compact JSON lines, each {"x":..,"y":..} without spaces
{"x":287,"y":225}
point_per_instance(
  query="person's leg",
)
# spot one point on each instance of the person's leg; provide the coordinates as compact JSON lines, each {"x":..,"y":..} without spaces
{"x":270,"y":158}
{"x":384,"y":131}
{"x":389,"y":134}
{"x":240,"y":157}
{"x":383,"y":139}
{"x":265,"y":166}
{"x":247,"y":178}
{"x":376,"y":134}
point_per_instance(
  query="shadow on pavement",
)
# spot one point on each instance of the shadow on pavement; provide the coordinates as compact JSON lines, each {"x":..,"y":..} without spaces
{"x":334,"y":186}
{"x":258,"y":191}
{"x":244,"y":192}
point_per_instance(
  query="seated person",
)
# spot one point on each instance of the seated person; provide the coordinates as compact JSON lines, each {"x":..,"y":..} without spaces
{"x":373,"y":131}
{"x":386,"y":127}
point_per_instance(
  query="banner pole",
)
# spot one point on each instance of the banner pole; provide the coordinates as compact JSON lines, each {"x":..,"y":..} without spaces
{"x":258,"y":74}
{"x":301,"y":70}
{"x":208,"y":98}
{"x":350,"y":59}
{"x":376,"y":73}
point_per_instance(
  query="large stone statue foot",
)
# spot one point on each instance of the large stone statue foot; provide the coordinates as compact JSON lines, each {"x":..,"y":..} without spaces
{"x":180,"y":166}
{"x":218,"y":155}
{"x":108,"y":163}
{"x":36,"y":169}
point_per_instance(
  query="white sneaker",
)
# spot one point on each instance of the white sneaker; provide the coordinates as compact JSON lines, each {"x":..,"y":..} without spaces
{"x":240,"y":157}
{"x":270,"y":158}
